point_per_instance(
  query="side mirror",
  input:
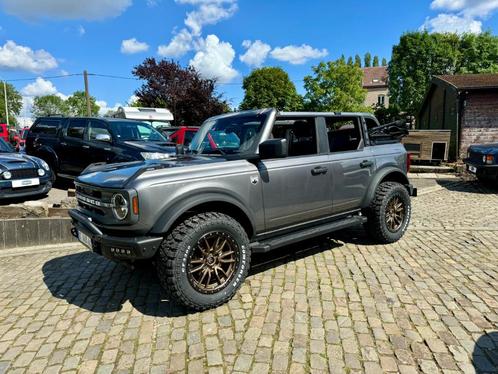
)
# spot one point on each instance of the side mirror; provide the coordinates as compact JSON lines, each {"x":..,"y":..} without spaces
{"x":103,"y":138}
{"x":273,"y":148}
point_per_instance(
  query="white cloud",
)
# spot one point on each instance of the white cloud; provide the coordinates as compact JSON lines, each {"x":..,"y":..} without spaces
{"x":18,"y":57}
{"x":40,"y":87}
{"x":214,"y":60}
{"x":206,"y":12}
{"x":104,"y":108}
{"x":81,"y":30}
{"x":256,"y":53}
{"x":451,"y":23}
{"x":297,"y":55}
{"x":178,"y":46}
{"x":467,"y":8}
{"x":131,"y":46}
{"x":65,"y":9}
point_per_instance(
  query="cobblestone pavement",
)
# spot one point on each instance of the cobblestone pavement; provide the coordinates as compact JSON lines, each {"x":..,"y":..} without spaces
{"x":426,"y":304}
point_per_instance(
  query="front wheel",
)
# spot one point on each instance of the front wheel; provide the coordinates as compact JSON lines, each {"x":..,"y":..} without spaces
{"x":203,"y":261}
{"x":389,"y":213}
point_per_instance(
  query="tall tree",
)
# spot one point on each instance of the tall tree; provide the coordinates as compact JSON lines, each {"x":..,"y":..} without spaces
{"x":375,"y":61}
{"x":419,"y":56}
{"x":270,"y":87}
{"x":191,"y":98}
{"x":49,"y":105}
{"x":14,"y":102}
{"x":76,"y":105}
{"x":350,"y":60}
{"x":335,"y":86}
{"x":384,"y":61}
{"x":357,"y":60}
{"x":368,"y":60}
{"x":343,"y":58}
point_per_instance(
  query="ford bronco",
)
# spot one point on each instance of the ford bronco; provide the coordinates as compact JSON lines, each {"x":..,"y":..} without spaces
{"x":250,"y":182}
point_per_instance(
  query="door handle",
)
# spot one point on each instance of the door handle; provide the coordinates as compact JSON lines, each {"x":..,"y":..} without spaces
{"x":86,"y":146}
{"x":63,"y":143}
{"x":366,"y":164}
{"x":319,"y":170}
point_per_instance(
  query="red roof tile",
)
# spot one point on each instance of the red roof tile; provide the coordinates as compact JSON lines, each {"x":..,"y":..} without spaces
{"x":471,"y":81}
{"x":375,"y":77}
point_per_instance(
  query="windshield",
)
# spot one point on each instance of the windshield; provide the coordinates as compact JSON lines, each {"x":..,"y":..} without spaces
{"x":136,"y":131}
{"x":5,"y":147}
{"x":228,"y":135}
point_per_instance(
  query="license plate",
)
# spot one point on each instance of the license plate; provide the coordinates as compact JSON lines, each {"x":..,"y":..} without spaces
{"x":85,"y":239}
{"x":472,"y":169}
{"x":25,"y":182}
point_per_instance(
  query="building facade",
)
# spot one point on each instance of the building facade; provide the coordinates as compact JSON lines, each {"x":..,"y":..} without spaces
{"x":375,"y":82}
{"x":465,"y":104}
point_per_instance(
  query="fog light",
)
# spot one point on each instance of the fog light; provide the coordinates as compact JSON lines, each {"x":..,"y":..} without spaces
{"x":7,"y":175}
{"x":41,"y":172}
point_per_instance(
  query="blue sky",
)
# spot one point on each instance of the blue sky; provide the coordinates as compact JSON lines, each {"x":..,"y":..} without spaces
{"x":221,"y":38}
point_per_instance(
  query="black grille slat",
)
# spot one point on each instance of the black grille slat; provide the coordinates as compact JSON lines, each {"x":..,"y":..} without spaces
{"x":24,"y":173}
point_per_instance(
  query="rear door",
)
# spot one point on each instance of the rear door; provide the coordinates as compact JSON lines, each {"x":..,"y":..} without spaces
{"x":352,"y":163}
{"x":100,"y":151}
{"x":296,"y":189}
{"x":75,"y":153}
{"x":43,"y":134}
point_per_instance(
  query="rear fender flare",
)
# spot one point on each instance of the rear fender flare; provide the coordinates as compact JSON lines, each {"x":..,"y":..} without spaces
{"x":389,"y":173}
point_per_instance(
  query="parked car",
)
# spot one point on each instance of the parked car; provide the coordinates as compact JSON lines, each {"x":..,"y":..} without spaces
{"x":482,"y":161}
{"x":22,"y":175}
{"x":70,"y":145}
{"x":4,"y":132}
{"x":182,"y":135}
{"x":21,"y":141}
{"x":270,"y":179}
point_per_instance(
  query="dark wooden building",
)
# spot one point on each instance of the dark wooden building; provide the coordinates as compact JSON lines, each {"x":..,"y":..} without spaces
{"x":465,"y":104}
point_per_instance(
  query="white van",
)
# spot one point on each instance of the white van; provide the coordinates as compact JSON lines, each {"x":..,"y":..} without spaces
{"x":157,"y":117}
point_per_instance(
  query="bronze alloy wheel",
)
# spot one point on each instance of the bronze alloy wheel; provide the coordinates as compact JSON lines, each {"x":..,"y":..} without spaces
{"x":395,"y":214}
{"x":213,"y":262}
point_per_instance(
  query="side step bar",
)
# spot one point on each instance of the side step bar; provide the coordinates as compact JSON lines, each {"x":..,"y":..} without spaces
{"x":301,"y":235}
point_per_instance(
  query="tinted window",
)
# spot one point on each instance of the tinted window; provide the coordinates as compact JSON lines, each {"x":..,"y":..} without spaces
{"x":189,"y":135}
{"x":46,"y":127}
{"x":136,"y":131}
{"x":344,"y":133}
{"x":5,"y":147}
{"x":97,"y":128}
{"x":76,"y":128}
{"x":300,"y":134}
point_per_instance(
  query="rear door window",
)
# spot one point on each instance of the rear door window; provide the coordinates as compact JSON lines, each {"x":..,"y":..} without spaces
{"x":76,"y":128}
{"x":46,"y":127}
{"x":344,"y":133}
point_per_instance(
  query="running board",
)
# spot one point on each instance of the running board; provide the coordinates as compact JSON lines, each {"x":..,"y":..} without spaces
{"x":301,"y":235}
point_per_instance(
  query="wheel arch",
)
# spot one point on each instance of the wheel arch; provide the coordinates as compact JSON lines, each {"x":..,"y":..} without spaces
{"x":49,"y":156}
{"x":388,"y":174}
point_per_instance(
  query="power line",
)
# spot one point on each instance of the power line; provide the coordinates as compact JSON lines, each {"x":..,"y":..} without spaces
{"x":47,"y":77}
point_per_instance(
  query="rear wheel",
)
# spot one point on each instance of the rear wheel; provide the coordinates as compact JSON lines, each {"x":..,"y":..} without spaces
{"x":389,"y":213}
{"x":204,"y":260}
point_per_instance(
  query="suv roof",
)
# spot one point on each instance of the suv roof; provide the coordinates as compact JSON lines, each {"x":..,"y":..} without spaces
{"x":107,"y":119}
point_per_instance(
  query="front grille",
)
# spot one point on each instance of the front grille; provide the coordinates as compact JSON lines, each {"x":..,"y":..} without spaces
{"x":24,"y":173}
{"x":89,"y":191}
{"x":475,"y":158}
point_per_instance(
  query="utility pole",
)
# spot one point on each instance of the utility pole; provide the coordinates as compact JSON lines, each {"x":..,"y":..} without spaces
{"x":6,"y":103}
{"x":87,"y":95}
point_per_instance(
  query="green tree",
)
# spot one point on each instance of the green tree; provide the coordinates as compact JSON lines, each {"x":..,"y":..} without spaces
{"x":384,"y":61}
{"x":270,"y":87}
{"x":335,"y":86}
{"x":368,"y":60}
{"x":375,"y":61}
{"x":479,"y":54}
{"x":14,"y":102}
{"x":343,"y":58}
{"x":49,"y":105}
{"x":357,"y":60}
{"x":76,"y":105}
{"x":350,"y":60}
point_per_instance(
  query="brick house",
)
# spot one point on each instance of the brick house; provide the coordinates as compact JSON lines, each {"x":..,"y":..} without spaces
{"x":465,"y":104}
{"x":375,"y":81}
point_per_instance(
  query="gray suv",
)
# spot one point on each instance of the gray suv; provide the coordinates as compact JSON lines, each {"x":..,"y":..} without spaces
{"x":250,"y":182}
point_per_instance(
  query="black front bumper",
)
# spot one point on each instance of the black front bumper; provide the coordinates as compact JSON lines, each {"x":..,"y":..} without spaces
{"x":13,"y":193}
{"x":114,"y":247}
{"x":485,"y":171}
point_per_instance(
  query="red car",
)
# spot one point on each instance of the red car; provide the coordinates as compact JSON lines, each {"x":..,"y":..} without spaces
{"x":4,"y":132}
{"x":180,"y":135}
{"x":20,"y":140}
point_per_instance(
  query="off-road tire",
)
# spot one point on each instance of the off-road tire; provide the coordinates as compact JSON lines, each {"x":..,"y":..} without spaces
{"x":376,"y":225}
{"x":176,"y":249}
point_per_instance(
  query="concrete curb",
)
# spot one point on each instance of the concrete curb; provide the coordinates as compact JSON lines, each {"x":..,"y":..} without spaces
{"x":31,"y":232}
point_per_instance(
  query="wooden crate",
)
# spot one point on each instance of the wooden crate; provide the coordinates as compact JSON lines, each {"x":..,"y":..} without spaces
{"x":428,"y":145}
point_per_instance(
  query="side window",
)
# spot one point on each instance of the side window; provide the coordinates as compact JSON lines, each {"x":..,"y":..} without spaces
{"x":344,"y":133}
{"x":46,"y":127}
{"x":189,"y":135}
{"x":76,"y":128}
{"x":97,"y":128}
{"x":300,"y":134}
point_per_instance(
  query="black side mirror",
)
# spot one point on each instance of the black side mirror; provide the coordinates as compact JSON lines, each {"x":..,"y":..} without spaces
{"x":273,"y":148}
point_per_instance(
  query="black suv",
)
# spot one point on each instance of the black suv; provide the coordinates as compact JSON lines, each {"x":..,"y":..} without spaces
{"x":70,"y":145}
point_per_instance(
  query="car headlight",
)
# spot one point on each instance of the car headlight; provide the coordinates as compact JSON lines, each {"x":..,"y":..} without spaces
{"x":154,"y":155}
{"x":120,"y":206}
{"x":44,"y":165}
{"x":41,"y":172}
{"x":7,"y":175}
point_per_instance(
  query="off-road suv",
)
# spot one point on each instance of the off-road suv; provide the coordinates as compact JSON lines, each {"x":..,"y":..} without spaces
{"x":250,"y":182}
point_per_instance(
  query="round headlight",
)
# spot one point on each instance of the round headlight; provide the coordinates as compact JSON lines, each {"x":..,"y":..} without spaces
{"x":44,"y":165}
{"x":120,"y":206}
{"x":7,"y":175}
{"x":41,"y":172}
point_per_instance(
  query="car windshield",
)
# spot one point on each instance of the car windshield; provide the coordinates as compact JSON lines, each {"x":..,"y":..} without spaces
{"x":136,"y":131}
{"x":5,"y":147}
{"x":228,"y":135}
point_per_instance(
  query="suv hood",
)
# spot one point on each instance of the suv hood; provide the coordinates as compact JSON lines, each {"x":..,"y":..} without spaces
{"x":118,"y":175}
{"x":11,"y":161}
{"x":161,"y":147}
{"x":487,"y":149}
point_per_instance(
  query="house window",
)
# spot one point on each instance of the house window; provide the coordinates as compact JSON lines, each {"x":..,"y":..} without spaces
{"x":381,"y":99}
